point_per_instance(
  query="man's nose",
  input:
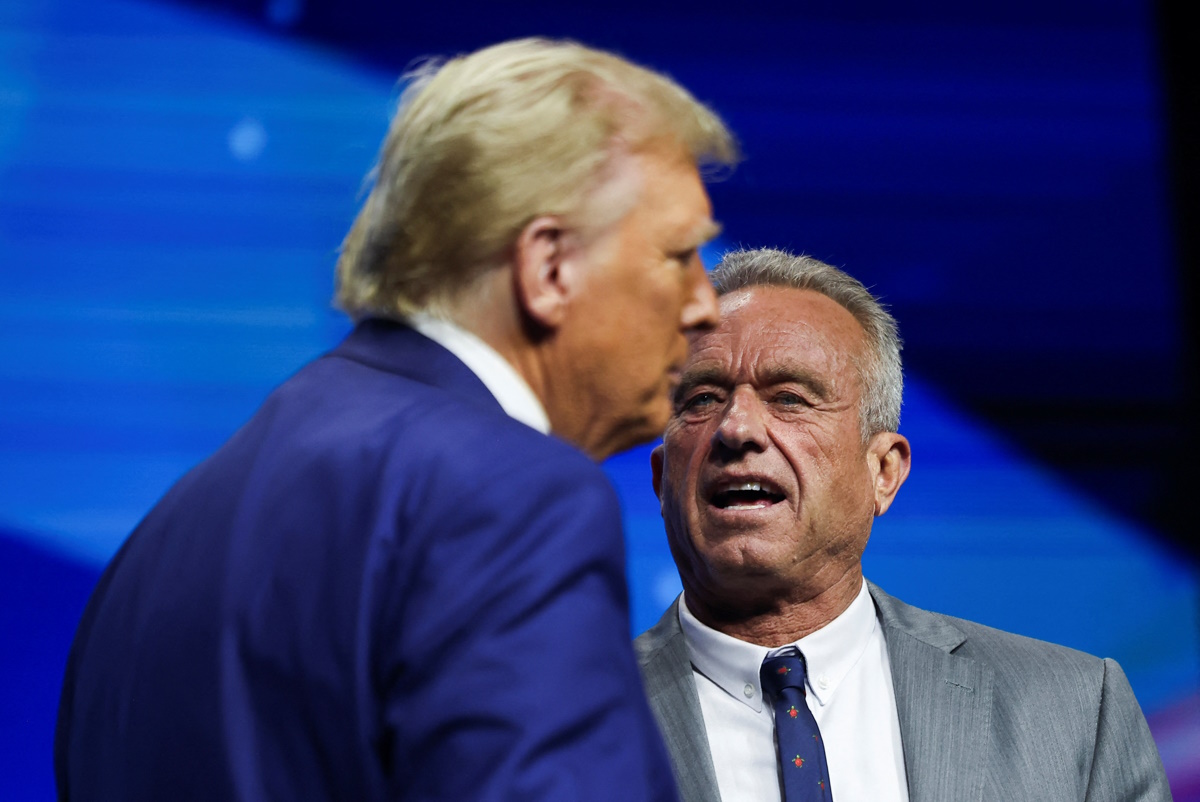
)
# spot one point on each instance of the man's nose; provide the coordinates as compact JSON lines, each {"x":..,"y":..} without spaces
{"x":701,"y":310}
{"x":743,"y":426}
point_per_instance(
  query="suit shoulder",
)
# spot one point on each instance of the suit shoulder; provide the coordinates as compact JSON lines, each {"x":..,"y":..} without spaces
{"x":1049,"y":697}
{"x":515,"y":464}
{"x":1028,"y":654}
{"x":333,"y":406}
{"x":1036,"y":667}
{"x":964,"y":637}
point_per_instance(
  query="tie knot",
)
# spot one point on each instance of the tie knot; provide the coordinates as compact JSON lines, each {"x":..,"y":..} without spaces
{"x":783,"y":671}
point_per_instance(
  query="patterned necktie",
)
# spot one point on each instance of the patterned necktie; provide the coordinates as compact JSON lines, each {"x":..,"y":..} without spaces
{"x":802,"y":763}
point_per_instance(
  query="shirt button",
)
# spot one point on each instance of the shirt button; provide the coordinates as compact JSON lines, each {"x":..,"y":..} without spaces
{"x":822,"y":682}
{"x":748,"y":690}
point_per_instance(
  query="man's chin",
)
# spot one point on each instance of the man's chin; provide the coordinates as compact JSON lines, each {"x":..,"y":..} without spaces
{"x":742,"y":557}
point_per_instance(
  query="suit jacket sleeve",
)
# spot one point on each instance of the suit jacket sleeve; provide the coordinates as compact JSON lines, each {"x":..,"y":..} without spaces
{"x":1126,"y":766}
{"x":505,"y":664}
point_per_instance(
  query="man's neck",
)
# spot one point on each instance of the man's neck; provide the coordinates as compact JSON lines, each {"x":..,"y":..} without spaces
{"x":502,"y":380}
{"x":777,"y":621}
{"x":543,"y":361}
{"x":488,"y":310}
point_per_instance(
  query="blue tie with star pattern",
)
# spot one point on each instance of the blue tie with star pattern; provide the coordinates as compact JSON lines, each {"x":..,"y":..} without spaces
{"x":803,"y":770}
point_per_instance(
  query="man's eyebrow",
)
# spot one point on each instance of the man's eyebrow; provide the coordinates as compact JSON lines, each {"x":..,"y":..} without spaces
{"x":772,"y":375}
{"x":693,"y":379}
{"x":769,"y":376}
{"x":702,"y":234}
{"x":710,"y":231}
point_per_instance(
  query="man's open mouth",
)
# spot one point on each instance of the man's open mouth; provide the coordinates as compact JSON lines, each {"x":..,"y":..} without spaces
{"x":745,"y":495}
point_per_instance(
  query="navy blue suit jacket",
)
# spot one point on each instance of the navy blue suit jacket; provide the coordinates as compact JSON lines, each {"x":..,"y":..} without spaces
{"x":381,"y":587}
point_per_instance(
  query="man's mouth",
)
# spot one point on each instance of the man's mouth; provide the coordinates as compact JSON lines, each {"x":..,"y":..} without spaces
{"x":747,"y":495}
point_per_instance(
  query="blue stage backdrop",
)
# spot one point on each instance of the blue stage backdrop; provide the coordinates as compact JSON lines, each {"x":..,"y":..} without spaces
{"x":175,"y":180}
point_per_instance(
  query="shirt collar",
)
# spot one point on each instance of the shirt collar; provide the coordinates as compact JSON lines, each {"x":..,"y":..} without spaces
{"x":829,"y":653}
{"x":502,"y":380}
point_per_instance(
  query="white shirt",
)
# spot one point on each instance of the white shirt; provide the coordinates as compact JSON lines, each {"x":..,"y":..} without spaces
{"x":849,"y":693}
{"x":501,"y":378}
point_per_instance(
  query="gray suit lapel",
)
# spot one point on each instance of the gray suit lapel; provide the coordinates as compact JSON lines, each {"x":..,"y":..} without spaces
{"x":667,"y":673}
{"x":944,"y":703}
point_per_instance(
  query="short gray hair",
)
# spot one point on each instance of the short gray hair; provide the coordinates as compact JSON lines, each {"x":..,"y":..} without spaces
{"x":880,"y":373}
{"x":484,"y":143}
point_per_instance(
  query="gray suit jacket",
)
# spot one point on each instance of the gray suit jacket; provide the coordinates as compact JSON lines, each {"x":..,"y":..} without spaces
{"x":984,"y":714}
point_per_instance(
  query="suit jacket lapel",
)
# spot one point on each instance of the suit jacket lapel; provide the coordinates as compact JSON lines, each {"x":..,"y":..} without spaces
{"x":944,"y":703}
{"x":671,"y":689}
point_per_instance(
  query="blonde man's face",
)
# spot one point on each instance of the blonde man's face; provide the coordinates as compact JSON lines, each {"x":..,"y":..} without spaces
{"x":646,"y":291}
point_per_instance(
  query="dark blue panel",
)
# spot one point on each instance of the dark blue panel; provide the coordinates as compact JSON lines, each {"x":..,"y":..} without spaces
{"x":42,"y":595}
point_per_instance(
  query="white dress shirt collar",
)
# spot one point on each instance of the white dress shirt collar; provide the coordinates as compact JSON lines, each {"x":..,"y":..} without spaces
{"x":501,"y":379}
{"x":829,"y":653}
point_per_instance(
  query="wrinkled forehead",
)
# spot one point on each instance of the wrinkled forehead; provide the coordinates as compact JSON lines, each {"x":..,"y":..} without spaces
{"x":766,"y":330}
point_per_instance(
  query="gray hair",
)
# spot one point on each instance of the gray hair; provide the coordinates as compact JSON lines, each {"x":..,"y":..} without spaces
{"x":880,"y":372}
{"x":486,"y":142}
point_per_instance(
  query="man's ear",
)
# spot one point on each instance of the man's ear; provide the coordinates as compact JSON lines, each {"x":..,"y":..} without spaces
{"x":541,"y":281}
{"x":656,"y":469}
{"x":890,"y":457}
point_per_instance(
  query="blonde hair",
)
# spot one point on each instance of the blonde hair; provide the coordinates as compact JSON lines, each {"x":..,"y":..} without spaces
{"x":488,"y":141}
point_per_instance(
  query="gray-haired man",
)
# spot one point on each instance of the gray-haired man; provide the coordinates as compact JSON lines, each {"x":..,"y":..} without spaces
{"x":782,"y":449}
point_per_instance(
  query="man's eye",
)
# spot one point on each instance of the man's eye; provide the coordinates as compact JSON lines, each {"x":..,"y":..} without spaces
{"x":697,"y":401}
{"x":790,"y":399}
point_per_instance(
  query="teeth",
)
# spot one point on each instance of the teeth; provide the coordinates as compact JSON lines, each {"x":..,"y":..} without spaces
{"x":746,"y":495}
{"x":751,"y":486}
